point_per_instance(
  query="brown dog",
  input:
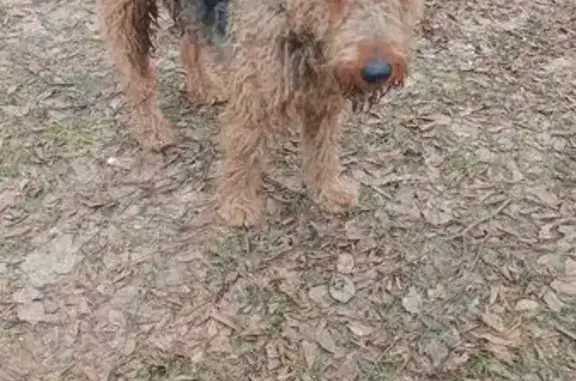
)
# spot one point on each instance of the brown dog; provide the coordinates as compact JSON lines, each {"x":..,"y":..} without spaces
{"x":279,"y":64}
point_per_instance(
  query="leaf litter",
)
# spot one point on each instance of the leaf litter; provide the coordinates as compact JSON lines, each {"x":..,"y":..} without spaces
{"x":459,"y":262}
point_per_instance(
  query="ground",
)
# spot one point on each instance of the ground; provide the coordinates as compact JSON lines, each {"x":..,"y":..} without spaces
{"x":460,"y":263}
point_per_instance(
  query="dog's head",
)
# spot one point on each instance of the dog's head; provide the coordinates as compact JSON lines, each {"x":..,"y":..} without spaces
{"x":361,"y":45}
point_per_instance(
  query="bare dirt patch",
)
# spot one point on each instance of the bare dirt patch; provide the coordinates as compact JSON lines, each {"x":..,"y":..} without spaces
{"x":460,"y":264}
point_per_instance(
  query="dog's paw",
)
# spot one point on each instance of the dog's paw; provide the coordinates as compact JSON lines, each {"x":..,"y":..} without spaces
{"x":238,"y":211}
{"x":336,"y":196}
{"x":156,"y":134}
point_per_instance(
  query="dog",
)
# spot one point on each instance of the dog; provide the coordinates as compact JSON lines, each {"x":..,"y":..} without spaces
{"x":276,"y":65}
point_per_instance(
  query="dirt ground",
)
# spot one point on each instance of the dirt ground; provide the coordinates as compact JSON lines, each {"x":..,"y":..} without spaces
{"x":460,"y":263}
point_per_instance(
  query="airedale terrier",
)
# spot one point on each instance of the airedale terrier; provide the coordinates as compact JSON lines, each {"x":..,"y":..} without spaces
{"x":277,"y":64}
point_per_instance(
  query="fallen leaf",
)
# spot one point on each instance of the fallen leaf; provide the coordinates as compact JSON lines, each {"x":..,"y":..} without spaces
{"x":45,"y":264}
{"x":493,"y":321}
{"x":310,"y":351}
{"x":497,"y":339}
{"x":455,"y":361}
{"x":565,"y":331}
{"x":342,"y":289}
{"x":494,"y":292}
{"x":436,"y":351}
{"x":129,"y":346}
{"x":225,"y":320}
{"x":570,"y":267}
{"x":526,"y":305}
{"x":552,"y":301}
{"x":189,"y":257}
{"x":117,"y":318}
{"x":565,"y":286}
{"x":17,"y":111}
{"x":32,"y":312}
{"x":501,"y":352}
{"x":353,"y":231}
{"x":318,"y":295}
{"x":412,"y":302}
{"x":437,"y":212}
{"x":26,"y":295}
{"x":544,"y":196}
{"x":360,"y":329}
{"x":345,"y":264}
{"x":273,"y":356}
{"x":324,"y":339}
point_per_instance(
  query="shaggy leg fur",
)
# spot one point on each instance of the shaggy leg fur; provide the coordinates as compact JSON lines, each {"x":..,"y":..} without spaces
{"x":321,"y":162}
{"x":203,"y":84}
{"x":245,"y":146}
{"x":126,"y":25}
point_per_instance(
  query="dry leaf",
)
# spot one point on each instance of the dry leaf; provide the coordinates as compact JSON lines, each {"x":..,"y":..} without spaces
{"x":552,"y":301}
{"x":319,"y":295}
{"x":353,"y":231}
{"x":26,"y":295}
{"x":224,"y":320}
{"x":129,"y":346}
{"x":501,"y":353}
{"x":310,"y":351}
{"x":544,"y":196}
{"x":189,"y":257}
{"x":494,"y":292}
{"x":437,"y":212}
{"x":412,"y":302}
{"x":45,"y":264}
{"x":526,"y":305}
{"x":565,"y":286}
{"x":324,"y":338}
{"x":360,"y":329}
{"x":273,"y":356}
{"x":497,"y":339}
{"x":493,"y":321}
{"x":32,"y":312}
{"x":570,"y":267}
{"x":342,"y":289}
{"x":345,"y":264}
{"x":455,"y":361}
{"x":117,"y":318}
{"x":436,"y":351}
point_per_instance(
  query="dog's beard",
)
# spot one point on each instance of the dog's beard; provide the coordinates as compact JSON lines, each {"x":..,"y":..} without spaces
{"x":363,"y":100}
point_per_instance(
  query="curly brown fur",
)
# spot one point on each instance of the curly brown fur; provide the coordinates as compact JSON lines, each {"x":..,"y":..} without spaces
{"x":283,"y":64}
{"x":127,"y":26}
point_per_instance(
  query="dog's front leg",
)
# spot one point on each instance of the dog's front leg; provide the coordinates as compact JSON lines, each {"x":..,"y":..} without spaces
{"x":321,"y":130}
{"x":245,"y":141}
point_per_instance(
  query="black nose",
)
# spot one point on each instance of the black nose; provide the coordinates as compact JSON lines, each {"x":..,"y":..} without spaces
{"x":377,"y":72}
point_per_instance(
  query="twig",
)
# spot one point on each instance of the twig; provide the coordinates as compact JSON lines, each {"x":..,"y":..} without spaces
{"x":492,"y":215}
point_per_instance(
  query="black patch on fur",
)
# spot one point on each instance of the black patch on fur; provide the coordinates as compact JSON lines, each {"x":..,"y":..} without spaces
{"x":209,"y":18}
{"x":214,"y":14}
